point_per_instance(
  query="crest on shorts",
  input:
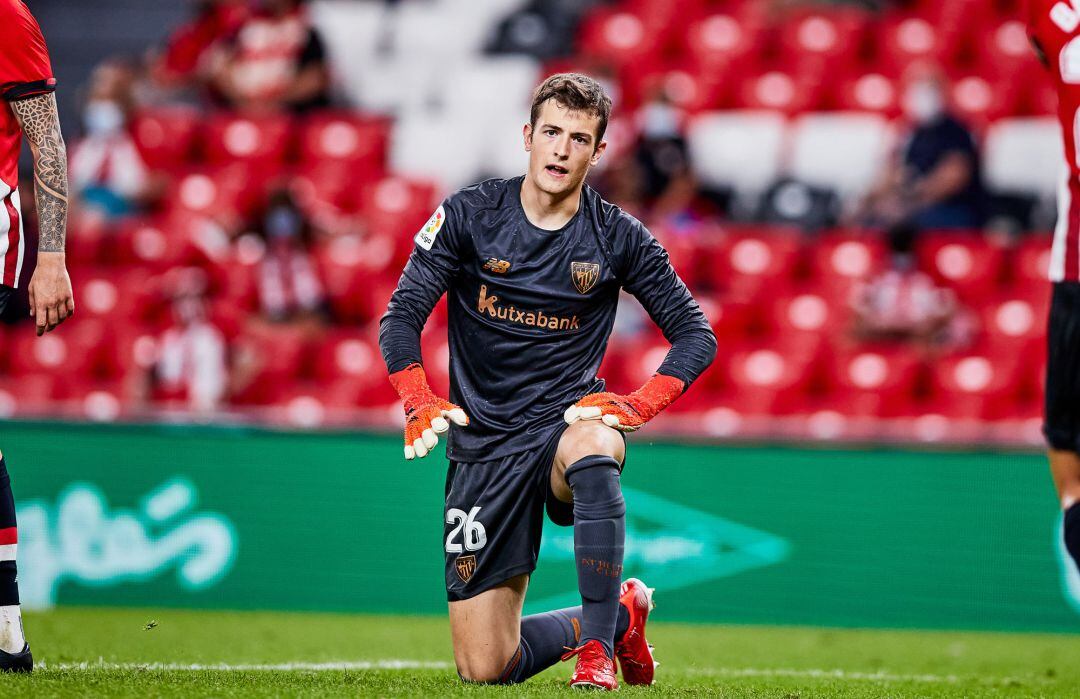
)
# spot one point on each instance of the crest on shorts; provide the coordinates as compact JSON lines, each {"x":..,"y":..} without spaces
{"x":584,"y":275}
{"x":466,"y":566}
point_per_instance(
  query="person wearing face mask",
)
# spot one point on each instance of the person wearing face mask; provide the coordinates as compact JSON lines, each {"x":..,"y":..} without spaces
{"x":933,"y":181}
{"x":108,"y":174}
{"x":191,"y":365}
{"x":288,"y":283}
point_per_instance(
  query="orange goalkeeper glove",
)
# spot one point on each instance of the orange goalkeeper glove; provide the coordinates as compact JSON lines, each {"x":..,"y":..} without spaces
{"x":627,"y":413}
{"x":425,"y":413}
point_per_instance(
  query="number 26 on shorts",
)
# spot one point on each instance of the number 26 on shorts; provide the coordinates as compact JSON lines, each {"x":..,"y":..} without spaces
{"x":473,"y":534}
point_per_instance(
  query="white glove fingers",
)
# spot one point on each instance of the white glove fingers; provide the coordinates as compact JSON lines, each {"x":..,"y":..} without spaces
{"x":571,"y":414}
{"x":592,"y":412}
{"x":611,"y":420}
{"x":420,"y":447}
{"x":439,"y":425}
{"x":458,"y":416}
{"x":430,"y":440}
{"x":410,"y":453}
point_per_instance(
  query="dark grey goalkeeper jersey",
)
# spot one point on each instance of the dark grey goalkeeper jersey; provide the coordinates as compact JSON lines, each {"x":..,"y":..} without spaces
{"x":531,"y":310}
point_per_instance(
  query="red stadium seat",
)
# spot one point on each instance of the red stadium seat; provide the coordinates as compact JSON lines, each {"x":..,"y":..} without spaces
{"x":1031,"y":262}
{"x":977,"y":384}
{"x":869,"y":92}
{"x":97,"y":400}
{"x":979,"y":100}
{"x":903,"y":41}
{"x":969,"y":264}
{"x":279,"y":356}
{"x":780,"y":91}
{"x":223,"y":194}
{"x":872,"y":381}
{"x":617,"y":38}
{"x":129,"y":351}
{"x":816,"y":43}
{"x":358,"y":275}
{"x":1011,"y":321}
{"x":329,"y":186}
{"x":353,"y":357}
{"x":348,"y":139}
{"x":166,"y":136}
{"x":57,"y":353}
{"x":398,"y":207}
{"x":765,"y":381}
{"x":838,"y":261}
{"x":806,"y":320}
{"x":721,"y":44}
{"x":262,"y":141}
{"x":28,"y":394}
{"x":753,"y":260}
{"x":1008,"y":52}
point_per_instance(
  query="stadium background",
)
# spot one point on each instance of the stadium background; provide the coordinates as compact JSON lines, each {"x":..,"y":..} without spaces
{"x":220,"y":396}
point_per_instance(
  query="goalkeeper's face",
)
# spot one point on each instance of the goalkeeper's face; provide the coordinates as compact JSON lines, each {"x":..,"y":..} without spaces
{"x":562,"y":146}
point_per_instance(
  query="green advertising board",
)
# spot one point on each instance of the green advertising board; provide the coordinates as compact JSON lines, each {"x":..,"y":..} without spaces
{"x":247,"y":519}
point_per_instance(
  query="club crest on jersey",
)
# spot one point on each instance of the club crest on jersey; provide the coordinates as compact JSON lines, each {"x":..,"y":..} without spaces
{"x":426,"y":237}
{"x":466,"y":566}
{"x":584,"y":275}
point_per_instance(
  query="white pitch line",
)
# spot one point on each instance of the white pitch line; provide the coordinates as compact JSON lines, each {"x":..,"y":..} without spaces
{"x":812,"y":673}
{"x":273,"y":667}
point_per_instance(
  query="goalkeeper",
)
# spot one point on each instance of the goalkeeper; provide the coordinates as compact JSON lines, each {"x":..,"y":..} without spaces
{"x":532,"y":267}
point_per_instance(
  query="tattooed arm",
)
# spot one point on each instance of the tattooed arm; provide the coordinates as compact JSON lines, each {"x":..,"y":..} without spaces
{"x":51,"y":300}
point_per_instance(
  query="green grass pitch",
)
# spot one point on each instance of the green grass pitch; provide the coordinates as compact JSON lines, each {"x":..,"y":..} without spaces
{"x":145,"y":653}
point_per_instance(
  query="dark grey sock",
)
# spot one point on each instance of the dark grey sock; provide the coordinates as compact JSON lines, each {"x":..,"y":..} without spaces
{"x":544,"y":639}
{"x":599,"y":537}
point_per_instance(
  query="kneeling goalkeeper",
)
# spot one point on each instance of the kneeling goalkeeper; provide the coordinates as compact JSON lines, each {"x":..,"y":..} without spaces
{"x":532,"y":267}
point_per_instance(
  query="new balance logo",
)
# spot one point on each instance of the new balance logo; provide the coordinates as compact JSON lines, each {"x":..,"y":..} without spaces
{"x":536,"y":319}
{"x":497,"y":266}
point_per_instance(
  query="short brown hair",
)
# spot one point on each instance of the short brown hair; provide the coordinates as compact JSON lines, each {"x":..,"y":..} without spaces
{"x":577,"y":92}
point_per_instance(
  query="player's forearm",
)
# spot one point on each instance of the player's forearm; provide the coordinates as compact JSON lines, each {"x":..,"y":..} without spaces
{"x":41,"y":125}
{"x":690,"y":355}
{"x":399,"y":343}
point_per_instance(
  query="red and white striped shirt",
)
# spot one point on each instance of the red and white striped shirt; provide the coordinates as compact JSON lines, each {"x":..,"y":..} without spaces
{"x":25,"y":71}
{"x":1055,"y":26}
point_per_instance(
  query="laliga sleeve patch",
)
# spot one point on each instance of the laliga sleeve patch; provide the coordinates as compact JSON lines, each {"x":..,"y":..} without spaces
{"x":426,"y":237}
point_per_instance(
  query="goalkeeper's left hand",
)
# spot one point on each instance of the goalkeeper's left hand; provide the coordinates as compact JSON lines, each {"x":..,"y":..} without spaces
{"x":627,"y":413}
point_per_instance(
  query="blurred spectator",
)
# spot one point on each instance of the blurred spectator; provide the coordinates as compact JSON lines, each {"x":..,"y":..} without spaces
{"x":904,"y":304}
{"x":186,"y":58}
{"x":934,"y":180}
{"x":191,"y":364}
{"x":289,"y":288}
{"x":274,"y":60}
{"x":662,"y":156}
{"x":108,"y":175}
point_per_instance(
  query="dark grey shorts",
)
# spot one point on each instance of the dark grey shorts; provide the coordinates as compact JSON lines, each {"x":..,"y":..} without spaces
{"x":494,"y":517}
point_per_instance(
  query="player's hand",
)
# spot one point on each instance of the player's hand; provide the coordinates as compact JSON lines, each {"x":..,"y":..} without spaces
{"x":51,"y":298}
{"x":627,"y":413}
{"x":426,"y":415}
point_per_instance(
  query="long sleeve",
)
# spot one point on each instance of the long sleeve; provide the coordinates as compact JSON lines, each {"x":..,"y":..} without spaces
{"x":652,"y":280}
{"x":433,"y":263}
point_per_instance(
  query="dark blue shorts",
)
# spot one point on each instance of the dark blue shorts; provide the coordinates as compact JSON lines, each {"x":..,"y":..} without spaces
{"x":494,"y":517}
{"x":1062,"y":410}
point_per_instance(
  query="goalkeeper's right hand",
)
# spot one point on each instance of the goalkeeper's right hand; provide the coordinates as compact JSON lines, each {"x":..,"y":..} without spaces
{"x":425,"y":413}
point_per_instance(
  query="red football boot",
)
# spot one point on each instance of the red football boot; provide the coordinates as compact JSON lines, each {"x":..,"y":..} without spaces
{"x":594,"y":668}
{"x":633,"y":651}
